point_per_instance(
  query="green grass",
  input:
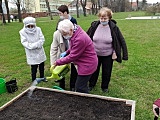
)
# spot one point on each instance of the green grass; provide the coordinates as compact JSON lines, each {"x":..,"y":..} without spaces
{"x":136,"y":79}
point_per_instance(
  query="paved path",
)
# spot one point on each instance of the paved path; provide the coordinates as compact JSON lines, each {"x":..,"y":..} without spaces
{"x":142,"y":18}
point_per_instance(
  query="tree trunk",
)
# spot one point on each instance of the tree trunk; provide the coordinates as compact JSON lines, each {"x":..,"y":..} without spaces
{"x":49,"y":10}
{"x":93,"y":8}
{"x":19,"y":10}
{"x":137,"y":4}
{"x":96,"y":9}
{"x":83,"y":6}
{"x":106,"y":3}
{"x":99,"y":5}
{"x":7,"y":8}
{"x":123,"y":6}
{"x":131,"y":4}
{"x":84,"y":11}
{"x":77,"y":8}
{"x":1,"y":10}
{"x":112,"y":5}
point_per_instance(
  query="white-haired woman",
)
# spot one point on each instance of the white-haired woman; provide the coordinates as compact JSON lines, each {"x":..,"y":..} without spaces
{"x":81,"y":52}
{"x":33,"y":39}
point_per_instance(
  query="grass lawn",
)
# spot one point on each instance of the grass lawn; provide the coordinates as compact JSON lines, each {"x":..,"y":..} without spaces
{"x":136,"y":79}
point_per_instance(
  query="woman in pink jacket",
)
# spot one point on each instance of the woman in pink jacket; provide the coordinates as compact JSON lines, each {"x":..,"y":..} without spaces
{"x":81,"y":53}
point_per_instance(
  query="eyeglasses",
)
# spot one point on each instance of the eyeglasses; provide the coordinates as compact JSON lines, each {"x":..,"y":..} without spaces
{"x":30,"y":26}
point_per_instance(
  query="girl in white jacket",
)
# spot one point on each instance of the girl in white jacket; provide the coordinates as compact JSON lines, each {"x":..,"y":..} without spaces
{"x":33,"y":39}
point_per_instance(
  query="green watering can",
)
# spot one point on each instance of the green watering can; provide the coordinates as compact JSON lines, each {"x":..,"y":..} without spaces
{"x":59,"y":71}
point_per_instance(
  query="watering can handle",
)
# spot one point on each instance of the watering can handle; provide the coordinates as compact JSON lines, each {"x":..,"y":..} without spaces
{"x":52,"y":67}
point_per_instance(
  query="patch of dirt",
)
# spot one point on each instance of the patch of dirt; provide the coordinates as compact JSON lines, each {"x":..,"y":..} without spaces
{"x":50,"y":105}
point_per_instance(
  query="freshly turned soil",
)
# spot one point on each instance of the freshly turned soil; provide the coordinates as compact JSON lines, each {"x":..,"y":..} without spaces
{"x":51,"y":105}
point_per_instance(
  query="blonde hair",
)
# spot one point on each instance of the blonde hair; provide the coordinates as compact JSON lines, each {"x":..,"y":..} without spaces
{"x":105,"y":12}
{"x":65,"y":26}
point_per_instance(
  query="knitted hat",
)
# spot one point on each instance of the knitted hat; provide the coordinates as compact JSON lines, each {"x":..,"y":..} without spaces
{"x":29,"y":21}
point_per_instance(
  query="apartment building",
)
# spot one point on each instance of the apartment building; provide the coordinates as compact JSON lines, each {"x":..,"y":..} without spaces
{"x":33,"y":6}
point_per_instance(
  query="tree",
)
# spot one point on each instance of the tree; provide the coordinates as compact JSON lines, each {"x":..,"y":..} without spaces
{"x":19,"y":10}
{"x":144,"y":2}
{"x":154,"y":9}
{"x":99,"y":4}
{"x":1,"y":9}
{"x":77,"y":8}
{"x":83,"y":3}
{"x":93,"y":6}
{"x":49,"y":10}
{"x":13,"y":10}
{"x":28,"y":5}
{"x":137,"y":1}
{"x":18,"y":4}
{"x":7,"y":8}
{"x":131,"y":4}
{"x":119,"y":5}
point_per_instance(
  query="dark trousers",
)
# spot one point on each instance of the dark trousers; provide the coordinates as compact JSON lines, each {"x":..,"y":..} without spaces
{"x":107,"y":63}
{"x":82,"y":83}
{"x":61,"y":83}
{"x":34,"y":70}
{"x":157,"y":111}
{"x":73,"y":76}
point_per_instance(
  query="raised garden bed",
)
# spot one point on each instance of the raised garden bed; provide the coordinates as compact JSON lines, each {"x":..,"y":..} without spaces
{"x":52,"y":104}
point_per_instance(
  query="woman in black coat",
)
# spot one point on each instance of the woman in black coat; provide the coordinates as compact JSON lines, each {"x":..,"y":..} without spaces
{"x":109,"y":45}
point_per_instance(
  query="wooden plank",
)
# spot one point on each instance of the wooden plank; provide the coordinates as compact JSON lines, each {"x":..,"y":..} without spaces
{"x":14,"y":99}
{"x":87,"y":95}
{"x":32,"y":88}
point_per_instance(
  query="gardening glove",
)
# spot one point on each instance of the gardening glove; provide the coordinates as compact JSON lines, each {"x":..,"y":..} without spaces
{"x":63,"y":54}
{"x":52,"y":67}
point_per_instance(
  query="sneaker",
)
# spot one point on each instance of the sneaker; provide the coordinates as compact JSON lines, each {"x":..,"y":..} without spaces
{"x":44,"y":79}
{"x":90,"y":88}
{"x":72,"y":89}
{"x":105,"y":90}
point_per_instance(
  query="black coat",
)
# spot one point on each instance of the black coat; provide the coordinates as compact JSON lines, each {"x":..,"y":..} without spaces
{"x":118,"y":42}
{"x":73,"y":20}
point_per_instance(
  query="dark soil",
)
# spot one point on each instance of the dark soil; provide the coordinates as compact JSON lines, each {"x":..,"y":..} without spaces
{"x":51,"y":105}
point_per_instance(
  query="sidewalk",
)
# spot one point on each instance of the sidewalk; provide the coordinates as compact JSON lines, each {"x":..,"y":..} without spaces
{"x":142,"y":18}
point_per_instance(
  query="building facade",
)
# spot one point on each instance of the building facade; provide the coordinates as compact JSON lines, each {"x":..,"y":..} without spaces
{"x":32,"y":6}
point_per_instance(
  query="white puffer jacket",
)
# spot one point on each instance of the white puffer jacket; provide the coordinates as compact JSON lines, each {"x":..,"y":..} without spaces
{"x":33,"y":44}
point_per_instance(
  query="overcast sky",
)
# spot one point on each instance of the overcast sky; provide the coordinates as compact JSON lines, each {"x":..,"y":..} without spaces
{"x":148,"y":1}
{"x":153,"y":1}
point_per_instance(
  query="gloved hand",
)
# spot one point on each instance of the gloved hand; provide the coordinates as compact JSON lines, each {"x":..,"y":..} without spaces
{"x":52,"y":67}
{"x":63,"y":54}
